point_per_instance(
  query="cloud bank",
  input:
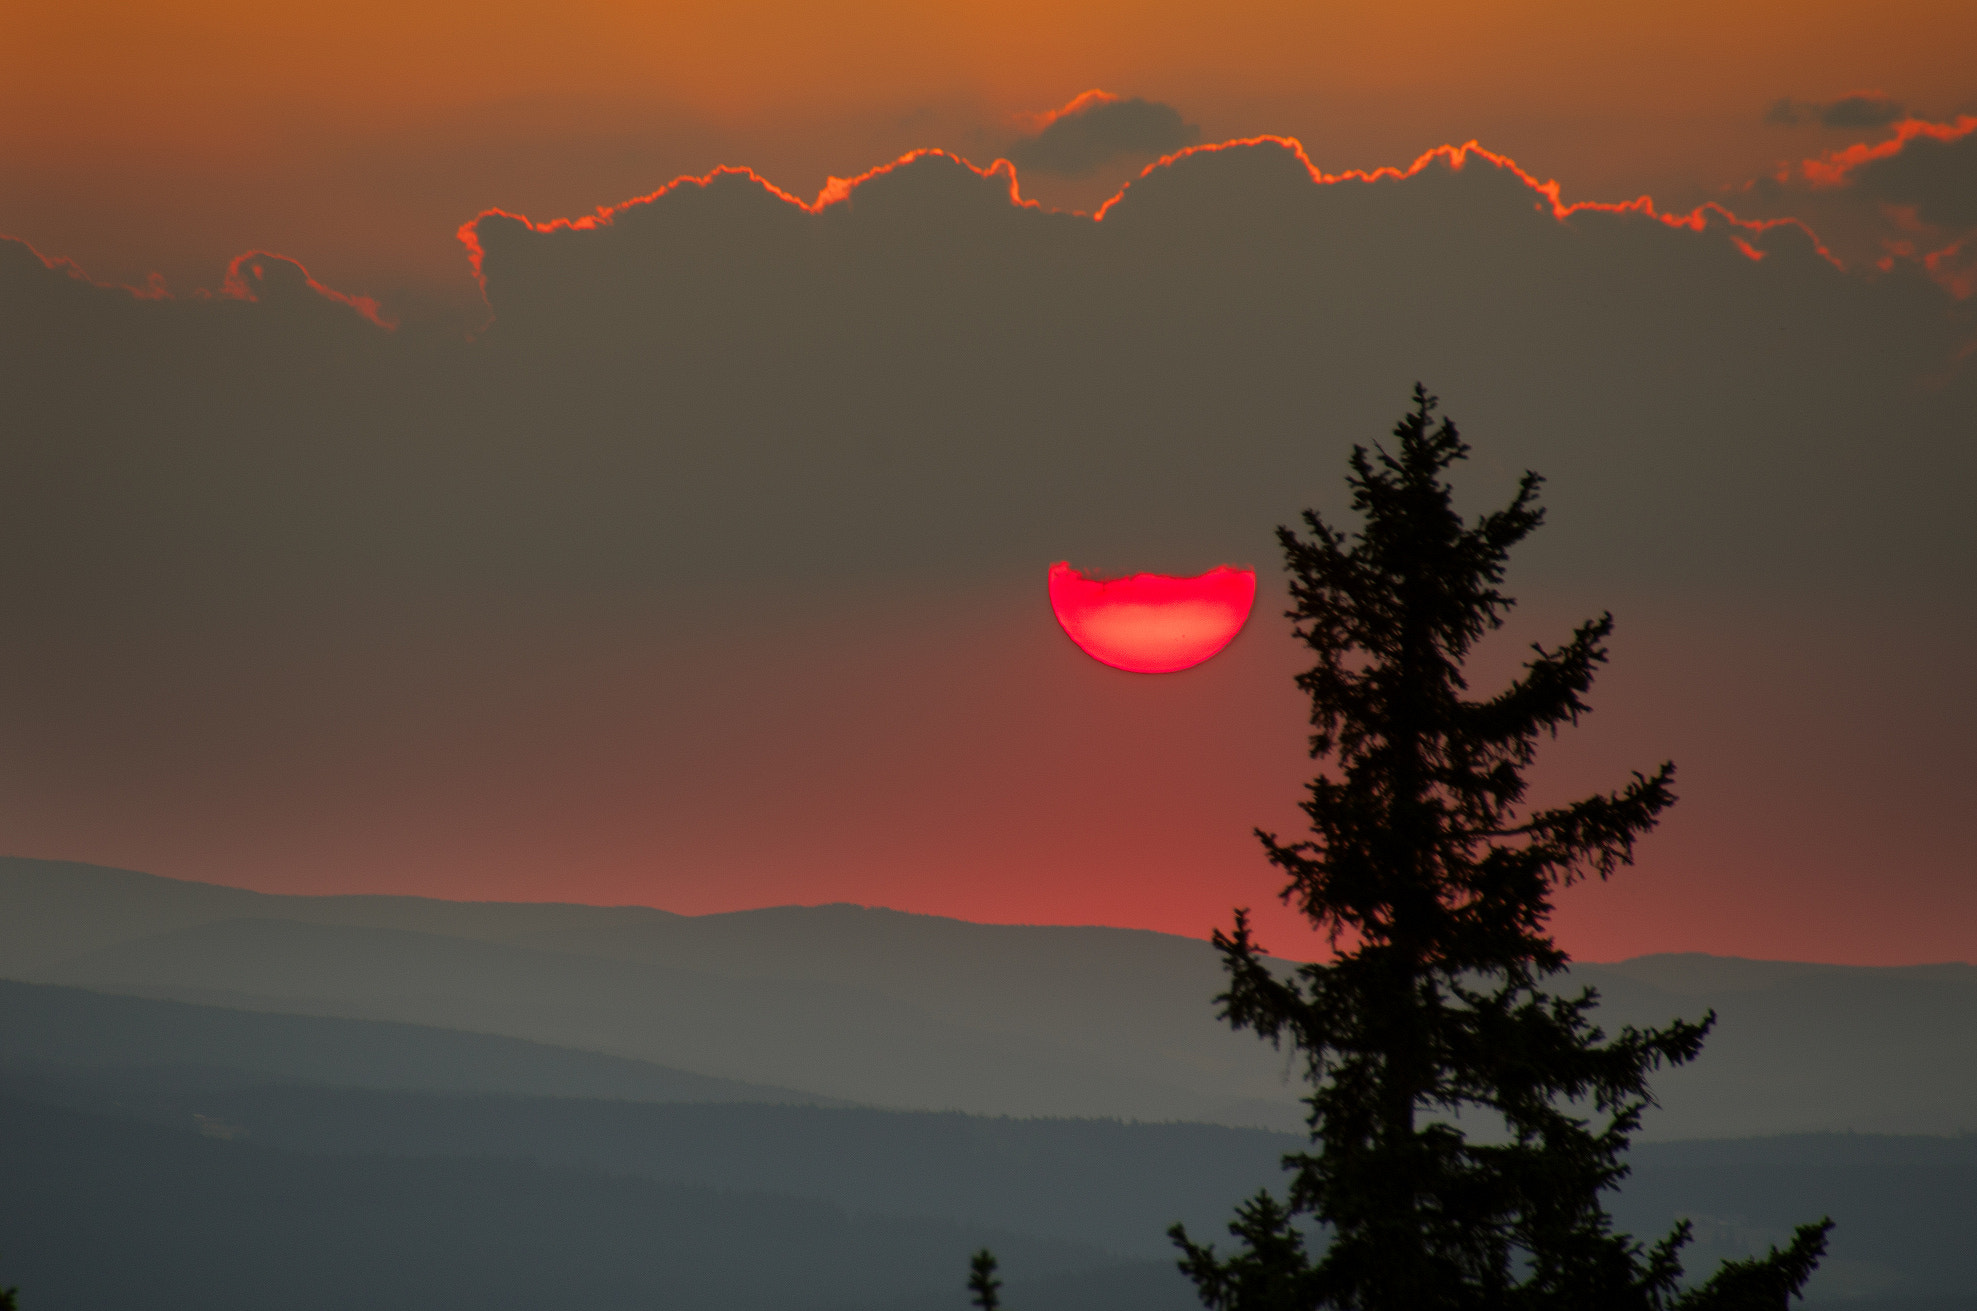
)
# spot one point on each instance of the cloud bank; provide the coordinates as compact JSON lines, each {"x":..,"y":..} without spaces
{"x":711,"y":571}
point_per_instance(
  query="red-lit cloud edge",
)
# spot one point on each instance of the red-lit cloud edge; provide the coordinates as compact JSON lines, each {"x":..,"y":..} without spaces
{"x":1035,"y":123}
{"x":244,"y":271}
{"x":838,"y":190}
{"x":1834,"y":169}
{"x":1950,"y":263}
{"x":245,"y":276}
{"x":1828,"y":172}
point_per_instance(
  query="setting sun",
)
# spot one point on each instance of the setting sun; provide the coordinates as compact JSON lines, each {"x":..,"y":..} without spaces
{"x":1152,"y":623}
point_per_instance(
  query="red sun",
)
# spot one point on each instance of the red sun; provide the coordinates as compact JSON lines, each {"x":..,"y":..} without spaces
{"x":1152,"y":623}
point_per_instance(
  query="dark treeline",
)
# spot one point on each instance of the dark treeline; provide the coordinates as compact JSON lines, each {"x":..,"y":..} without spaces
{"x":219,"y":1186}
{"x":102,"y":1212}
{"x":1106,"y":1183}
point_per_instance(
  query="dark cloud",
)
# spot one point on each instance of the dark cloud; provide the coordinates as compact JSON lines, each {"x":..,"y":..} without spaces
{"x":1096,"y":129}
{"x":1860,"y":111}
{"x":1865,"y":111}
{"x":262,"y":277}
{"x":961,"y":380}
{"x":719,"y":554}
{"x":1929,"y":187}
{"x":1935,"y":172}
{"x":1907,"y":201}
{"x":923,"y":374}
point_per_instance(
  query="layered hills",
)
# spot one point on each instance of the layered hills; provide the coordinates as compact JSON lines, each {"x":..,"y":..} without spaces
{"x":916,"y":1012}
{"x":217,"y":1098}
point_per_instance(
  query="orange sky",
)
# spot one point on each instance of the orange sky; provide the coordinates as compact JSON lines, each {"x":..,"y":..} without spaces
{"x":147,"y":136}
{"x":617,"y":761}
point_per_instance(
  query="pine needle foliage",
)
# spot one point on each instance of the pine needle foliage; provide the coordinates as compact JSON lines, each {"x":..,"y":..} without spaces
{"x":1433,"y":881}
{"x":983,"y":1287}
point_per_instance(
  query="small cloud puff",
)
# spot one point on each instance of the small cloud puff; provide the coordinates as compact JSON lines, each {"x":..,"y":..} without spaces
{"x":1866,"y":111}
{"x":260,"y":276}
{"x":1863,"y":109}
{"x":1097,"y":128}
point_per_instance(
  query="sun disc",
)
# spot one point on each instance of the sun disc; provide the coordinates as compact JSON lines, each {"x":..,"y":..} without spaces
{"x":1152,"y":623}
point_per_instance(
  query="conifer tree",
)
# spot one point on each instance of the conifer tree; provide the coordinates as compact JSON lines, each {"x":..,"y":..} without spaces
{"x":982,"y":1283}
{"x":1433,"y":881}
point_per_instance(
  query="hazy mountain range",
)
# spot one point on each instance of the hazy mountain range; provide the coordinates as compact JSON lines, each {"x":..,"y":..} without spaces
{"x":217,"y":1099}
{"x":916,"y":1012}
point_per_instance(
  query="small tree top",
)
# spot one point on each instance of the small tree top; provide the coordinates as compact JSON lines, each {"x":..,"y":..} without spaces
{"x":982,"y":1283}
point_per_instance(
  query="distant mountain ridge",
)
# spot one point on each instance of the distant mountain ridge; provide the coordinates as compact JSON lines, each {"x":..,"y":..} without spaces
{"x":862,"y":1005}
{"x":48,"y":1027}
{"x":891,"y":1009}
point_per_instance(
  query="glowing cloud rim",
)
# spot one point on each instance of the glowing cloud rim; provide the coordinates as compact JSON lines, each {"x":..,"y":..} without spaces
{"x":1743,"y":232}
{"x":1827,"y":172}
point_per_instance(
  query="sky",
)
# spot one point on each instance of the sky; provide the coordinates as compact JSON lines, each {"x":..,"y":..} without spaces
{"x":581,"y":454}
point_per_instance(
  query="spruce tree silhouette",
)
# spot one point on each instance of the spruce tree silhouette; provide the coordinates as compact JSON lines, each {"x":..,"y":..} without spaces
{"x":982,"y":1281}
{"x":1434,"y":883}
